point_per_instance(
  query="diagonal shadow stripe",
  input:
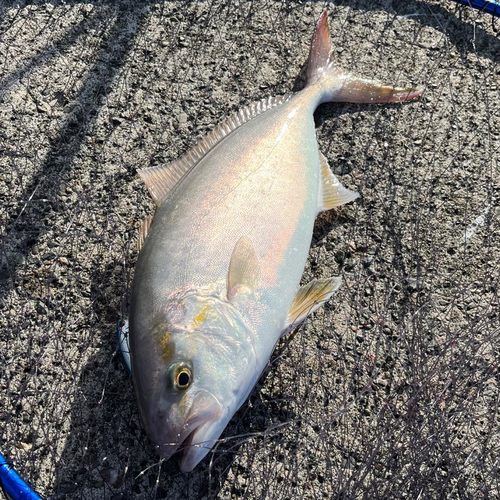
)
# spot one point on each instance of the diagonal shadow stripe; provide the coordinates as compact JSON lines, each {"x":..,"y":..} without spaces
{"x":465,"y":34}
{"x":26,"y":225}
{"x":53,"y":48}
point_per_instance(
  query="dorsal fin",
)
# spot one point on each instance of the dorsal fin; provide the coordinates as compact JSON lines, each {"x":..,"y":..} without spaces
{"x":143,"y":231}
{"x":162,"y":179}
{"x":334,"y":194}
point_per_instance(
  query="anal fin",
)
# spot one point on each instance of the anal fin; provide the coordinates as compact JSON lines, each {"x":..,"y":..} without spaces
{"x":310,"y":297}
{"x":143,"y":231}
{"x":334,"y":194}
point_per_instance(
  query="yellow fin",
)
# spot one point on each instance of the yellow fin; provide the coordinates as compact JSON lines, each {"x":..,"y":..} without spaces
{"x":244,"y":268}
{"x":162,"y":179}
{"x":143,"y":231}
{"x":334,"y":194}
{"x":310,"y":297}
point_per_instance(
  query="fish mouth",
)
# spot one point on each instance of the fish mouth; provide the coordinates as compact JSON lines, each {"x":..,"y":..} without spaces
{"x":198,"y":433}
{"x":198,"y":443}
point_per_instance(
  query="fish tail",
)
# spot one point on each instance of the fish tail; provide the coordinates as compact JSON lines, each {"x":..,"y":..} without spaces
{"x":340,"y":86}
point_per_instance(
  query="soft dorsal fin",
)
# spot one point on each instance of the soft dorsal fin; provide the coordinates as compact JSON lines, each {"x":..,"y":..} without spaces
{"x":334,"y":194}
{"x":143,"y":231}
{"x":244,"y":268}
{"x":162,"y":179}
{"x":310,"y":297}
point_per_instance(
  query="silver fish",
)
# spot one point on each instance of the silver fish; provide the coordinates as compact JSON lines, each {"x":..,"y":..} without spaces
{"x":217,"y":278}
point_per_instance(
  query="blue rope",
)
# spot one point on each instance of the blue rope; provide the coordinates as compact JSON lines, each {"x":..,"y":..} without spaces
{"x":491,"y":7}
{"x":13,"y":485}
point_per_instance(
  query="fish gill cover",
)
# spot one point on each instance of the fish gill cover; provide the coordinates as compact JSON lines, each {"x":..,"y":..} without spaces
{"x":391,"y":390}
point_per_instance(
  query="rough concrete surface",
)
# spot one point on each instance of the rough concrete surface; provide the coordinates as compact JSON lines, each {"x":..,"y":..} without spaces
{"x":392,"y":389}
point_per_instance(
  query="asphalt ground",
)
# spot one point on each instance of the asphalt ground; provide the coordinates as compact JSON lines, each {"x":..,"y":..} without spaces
{"x":391,"y":390}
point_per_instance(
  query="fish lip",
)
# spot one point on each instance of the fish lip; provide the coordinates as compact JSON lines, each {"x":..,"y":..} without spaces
{"x":191,"y":426}
{"x":196,"y":446}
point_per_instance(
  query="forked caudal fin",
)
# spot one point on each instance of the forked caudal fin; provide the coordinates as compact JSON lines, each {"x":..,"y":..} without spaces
{"x":340,"y":86}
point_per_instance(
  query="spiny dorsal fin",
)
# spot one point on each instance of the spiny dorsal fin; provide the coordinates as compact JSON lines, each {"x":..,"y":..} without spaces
{"x":143,"y":231}
{"x":310,"y":297}
{"x":334,"y":194}
{"x":244,"y":268}
{"x":162,"y":179}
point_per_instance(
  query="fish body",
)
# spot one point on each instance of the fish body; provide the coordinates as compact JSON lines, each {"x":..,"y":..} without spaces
{"x":217,"y":279}
{"x":263,"y":185}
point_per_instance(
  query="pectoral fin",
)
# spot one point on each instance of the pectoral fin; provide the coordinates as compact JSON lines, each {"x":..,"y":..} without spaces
{"x":244,"y":268}
{"x":143,"y":231}
{"x":334,"y":194}
{"x":310,"y":297}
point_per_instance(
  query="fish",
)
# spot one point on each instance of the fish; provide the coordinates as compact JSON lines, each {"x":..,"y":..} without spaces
{"x":217,"y":278}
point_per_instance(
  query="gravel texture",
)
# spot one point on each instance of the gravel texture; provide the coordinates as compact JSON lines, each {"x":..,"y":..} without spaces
{"x":391,"y":390}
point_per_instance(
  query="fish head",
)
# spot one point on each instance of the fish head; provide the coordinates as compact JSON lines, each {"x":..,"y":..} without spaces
{"x":191,"y":373}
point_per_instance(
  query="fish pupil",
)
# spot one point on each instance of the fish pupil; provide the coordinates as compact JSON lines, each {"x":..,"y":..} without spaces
{"x":183,"y":379}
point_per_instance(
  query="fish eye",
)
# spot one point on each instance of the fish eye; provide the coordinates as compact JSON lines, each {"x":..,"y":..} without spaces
{"x":183,"y":379}
{"x":181,"y":376}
